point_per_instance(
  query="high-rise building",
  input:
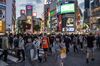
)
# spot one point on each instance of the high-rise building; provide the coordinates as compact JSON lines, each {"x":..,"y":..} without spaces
{"x":95,"y":9}
{"x":87,"y":4}
{"x":2,"y":1}
{"x":10,"y":15}
{"x":87,"y":11}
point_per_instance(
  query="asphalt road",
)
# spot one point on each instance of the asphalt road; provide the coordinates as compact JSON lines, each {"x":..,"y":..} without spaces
{"x":73,"y":59}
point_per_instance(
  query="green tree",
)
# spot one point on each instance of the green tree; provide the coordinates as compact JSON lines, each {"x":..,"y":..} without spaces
{"x":36,"y":27}
{"x":98,"y":23}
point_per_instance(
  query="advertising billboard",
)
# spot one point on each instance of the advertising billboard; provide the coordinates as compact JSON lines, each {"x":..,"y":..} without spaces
{"x":29,"y":9}
{"x":2,"y":27}
{"x":67,"y":8}
{"x":22,"y":12}
{"x":52,"y":13}
{"x":70,"y":29}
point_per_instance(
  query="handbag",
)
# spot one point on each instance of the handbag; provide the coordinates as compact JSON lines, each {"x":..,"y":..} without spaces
{"x":63,"y":53}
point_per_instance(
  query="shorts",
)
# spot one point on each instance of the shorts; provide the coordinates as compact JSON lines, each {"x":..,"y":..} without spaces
{"x":45,"y":49}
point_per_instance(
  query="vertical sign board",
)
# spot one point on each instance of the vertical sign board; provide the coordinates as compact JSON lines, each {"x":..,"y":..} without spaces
{"x":29,"y":13}
{"x":29,"y":9}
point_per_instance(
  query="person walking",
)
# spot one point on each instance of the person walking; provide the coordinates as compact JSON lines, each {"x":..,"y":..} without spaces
{"x":45,"y":45}
{"x":67,"y":41}
{"x":30,"y":52}
{"x":36,"y":44}
{"x":98,"y":41}
{"x":75,"y":43}
{"x":21,"y":49}
{"x":10,"y":40}
{"x":5,"y":47}
{"x":81,"y":41}
{"x":62,"y":53}
{"x":16,"y":43}
{"x":90,"y":47}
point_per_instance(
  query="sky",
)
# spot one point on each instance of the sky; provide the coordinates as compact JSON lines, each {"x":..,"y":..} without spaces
{"x":20,"y":4}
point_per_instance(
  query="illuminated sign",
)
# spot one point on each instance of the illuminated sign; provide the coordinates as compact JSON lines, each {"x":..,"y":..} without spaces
{"x":2,"y":27}
{"x":34,"y":14}
{"x":67,"y":8}
{"x":29,"y":9}
{"x":52,"y":13}
{"x":70,"y":29}
{"x":22,"y":12}
{"x":70,"y":22}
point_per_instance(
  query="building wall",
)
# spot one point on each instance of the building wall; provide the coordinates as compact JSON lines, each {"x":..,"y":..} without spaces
{"x":10,"y":14}
{"x":2,"y":1}
{"x":2,"y":16}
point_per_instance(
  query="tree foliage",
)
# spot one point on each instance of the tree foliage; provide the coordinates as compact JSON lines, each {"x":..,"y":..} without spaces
{"x":36,"y":27}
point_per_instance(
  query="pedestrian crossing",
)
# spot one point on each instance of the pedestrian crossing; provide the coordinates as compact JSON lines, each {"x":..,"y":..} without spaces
{"x":2,"y":63}
{"x":10,"y":58}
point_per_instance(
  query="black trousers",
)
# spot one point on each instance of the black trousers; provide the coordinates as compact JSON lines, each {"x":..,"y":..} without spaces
{"x":98,"y":44}
{"x":81,"y":44}
{"x":4,"y":55}
{"x":39,"y":58}
{"x":19,"y":52}
{"x":75,"y":48}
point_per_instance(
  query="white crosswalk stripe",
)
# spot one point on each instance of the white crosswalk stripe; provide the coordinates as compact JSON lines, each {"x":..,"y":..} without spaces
{"x":2,"y":63}
{"x":10,"y":57}
{"x":14,"y":59}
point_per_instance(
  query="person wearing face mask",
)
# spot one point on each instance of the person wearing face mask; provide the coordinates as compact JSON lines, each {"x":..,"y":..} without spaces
{"x":21,"y":49}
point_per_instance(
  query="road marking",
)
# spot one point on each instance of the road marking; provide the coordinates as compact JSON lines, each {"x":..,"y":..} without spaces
{"x":14,"y":59}
{"x":2,"y":63}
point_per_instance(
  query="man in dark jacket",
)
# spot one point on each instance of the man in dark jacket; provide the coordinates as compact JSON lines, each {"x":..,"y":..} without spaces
{"x":90,"y":47}
{"x":67,"y":41}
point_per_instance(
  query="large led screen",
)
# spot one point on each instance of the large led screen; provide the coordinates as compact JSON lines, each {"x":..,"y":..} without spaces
{"x":68,"y":8}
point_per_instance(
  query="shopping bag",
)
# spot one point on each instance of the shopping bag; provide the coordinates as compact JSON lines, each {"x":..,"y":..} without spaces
{"x":63,"y":53}
{"x":32,"y":54}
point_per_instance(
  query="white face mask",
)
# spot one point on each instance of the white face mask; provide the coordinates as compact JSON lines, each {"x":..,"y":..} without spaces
{"x":29,"y":40}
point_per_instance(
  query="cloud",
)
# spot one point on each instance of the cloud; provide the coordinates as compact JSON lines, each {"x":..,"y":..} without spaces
{"x":37,"y":6}
{"x":39,"y":1}
{"x":22,"y":5}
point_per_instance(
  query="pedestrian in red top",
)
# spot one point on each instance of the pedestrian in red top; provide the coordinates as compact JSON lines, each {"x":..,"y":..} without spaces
{"x":45,"y":45}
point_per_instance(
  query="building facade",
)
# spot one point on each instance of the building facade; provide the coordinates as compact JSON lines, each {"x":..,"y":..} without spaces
{"x":95,"y":7}
{"x":57,"y":20}
{"x":10,"y":15}
{"x":2,"y":16}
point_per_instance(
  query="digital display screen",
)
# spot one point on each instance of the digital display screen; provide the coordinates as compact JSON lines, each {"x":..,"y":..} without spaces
{"x":67,"y":8}
{"x":70,"y":29}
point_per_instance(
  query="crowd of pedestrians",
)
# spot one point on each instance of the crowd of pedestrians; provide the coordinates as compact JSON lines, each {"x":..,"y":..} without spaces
{"x":39,"y":47}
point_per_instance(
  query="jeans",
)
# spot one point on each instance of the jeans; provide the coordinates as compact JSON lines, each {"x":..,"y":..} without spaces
{"x":21,"y":51}
{"x":4,"y":55}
